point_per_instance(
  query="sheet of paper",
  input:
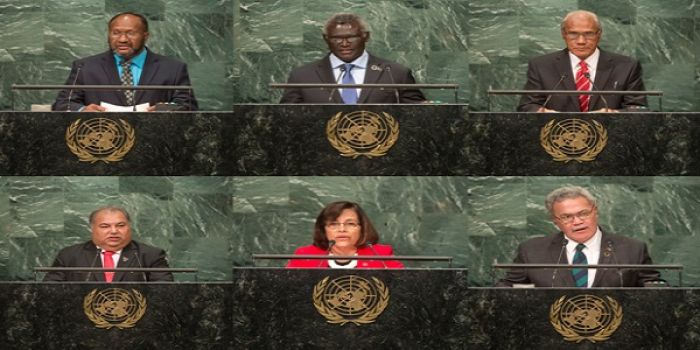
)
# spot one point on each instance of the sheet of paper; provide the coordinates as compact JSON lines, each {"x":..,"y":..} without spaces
{"x":116,"y":108}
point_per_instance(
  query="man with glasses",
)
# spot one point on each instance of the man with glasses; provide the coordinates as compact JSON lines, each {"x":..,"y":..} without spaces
{"x":580,"y":241}
{"x":127,"y":62}
{"x":583,"y":66}
{"x":349,"y":63}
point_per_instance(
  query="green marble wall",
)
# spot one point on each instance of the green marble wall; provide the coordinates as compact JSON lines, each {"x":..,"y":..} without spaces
{"x":214,"y":223}
{"x":235,"y":48}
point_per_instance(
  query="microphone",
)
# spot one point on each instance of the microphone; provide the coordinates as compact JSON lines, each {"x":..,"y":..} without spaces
{"x":564,"y":242}
{"x":330,"y":97}
{"x":398,"y":100}
{"x":94,"y":260}
{"x":70,"y":92}
{"x":593,"y":87}
{"x":136,"y":255}
{"x":609,"y":250}
{"x":371,"y":247}
{"x":331,"y":243}
{"x":549,"y":97}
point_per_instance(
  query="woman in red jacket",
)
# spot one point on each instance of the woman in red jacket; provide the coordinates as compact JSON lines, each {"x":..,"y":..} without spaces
{"x":351,"y":232}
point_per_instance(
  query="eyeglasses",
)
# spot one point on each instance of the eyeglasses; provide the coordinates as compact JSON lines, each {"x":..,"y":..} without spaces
{"x":129,"y":34}
{"x":339,"y":39}
{"x":583,"y":215}
{"x":335,"y":226}
{"x":586,"y":35}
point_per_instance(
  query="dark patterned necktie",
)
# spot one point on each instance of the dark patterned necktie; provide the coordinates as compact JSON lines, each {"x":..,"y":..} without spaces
{"x":127,"y":80}
{"x":580,"y":275}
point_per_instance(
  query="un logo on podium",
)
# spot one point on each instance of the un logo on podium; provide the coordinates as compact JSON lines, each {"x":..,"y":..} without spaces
{"x":351,"y":299}
{"x":362,"y":133}
{"x":585,"y":317}
{"x":100,"y":139}
{"x":573,"y":139}
{"x":114,"y":307}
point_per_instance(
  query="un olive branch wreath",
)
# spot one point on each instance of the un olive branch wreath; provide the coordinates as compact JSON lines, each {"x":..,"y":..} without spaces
{"x":85,"y":156}
{"x":347,"y":151}
{"x":100,"y":322}
{"x":570,"y":335}
{"x":560,"y":156}
{"x":335,"y":318}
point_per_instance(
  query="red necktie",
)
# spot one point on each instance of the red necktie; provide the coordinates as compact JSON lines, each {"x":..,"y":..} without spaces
{"x":108,"y":264}
{"x":583,"y":83}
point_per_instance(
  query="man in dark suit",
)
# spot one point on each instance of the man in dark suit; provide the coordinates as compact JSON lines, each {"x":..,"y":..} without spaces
{"x":128,"y":62}
{"x":111,"y":246}
{"x":583,"y":66}
{"x":349,"y":63}
{"x":580,"y":241}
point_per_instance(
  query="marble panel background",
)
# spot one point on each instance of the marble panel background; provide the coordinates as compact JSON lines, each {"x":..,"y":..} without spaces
{"x":235,"y":48}
{"x":216,"y":223}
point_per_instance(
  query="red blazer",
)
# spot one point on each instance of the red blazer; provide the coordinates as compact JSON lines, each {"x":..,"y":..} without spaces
{"x":381,"y":249}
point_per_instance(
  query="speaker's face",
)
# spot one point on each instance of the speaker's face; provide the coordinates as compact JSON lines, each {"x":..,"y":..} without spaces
{"x":111,"y":230}
{"x":576,"y":217}
{"x":346,"y":41}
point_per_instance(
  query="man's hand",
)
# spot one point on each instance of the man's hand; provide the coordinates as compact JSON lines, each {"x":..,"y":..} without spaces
{"x":545,"y":110}
{"x":94,"y":108}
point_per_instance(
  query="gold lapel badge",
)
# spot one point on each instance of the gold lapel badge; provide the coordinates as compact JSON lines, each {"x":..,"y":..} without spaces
{"x":585,"y":317}
{"x":362,"y":133}
{"x":114,"y":307}
{"x":100,"y":139}
{"x":573,"y":139}
{"x":350,"y":299}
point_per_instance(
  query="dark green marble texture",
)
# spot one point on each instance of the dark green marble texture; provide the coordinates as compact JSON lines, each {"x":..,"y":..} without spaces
{"x":235,"y":48}
{"x":214,"y":222}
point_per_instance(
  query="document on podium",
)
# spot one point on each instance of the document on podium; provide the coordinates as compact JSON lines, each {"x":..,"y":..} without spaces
{"x":116,"y":108}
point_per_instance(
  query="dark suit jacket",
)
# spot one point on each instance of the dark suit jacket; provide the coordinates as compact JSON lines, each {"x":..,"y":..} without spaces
{"x":102,"y":70}
{"x":615,"y":250}
{"x":320,"y":72}
{"x":133,"y":255}
{"x":614,"y":72}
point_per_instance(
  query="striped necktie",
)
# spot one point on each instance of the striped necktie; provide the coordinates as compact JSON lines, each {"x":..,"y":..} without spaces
{"x":127,"y":80}
{"x":580,"y":275}
{"x":583,"y":83}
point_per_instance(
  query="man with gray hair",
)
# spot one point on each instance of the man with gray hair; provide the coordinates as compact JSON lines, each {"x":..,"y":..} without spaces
{"x":583,"y":66}
{"x":349,"y":63}
{"x":111,"y":246}
{"x":574,"y":211}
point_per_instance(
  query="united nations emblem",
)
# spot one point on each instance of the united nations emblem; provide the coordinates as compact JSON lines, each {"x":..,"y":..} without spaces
{"x":114,"y":307}
{"x":100,"y":139}
{"x":573,"y":139}
{"x":351,"y":299}
{"x":586,"y":317}
{"x":362,"y":133}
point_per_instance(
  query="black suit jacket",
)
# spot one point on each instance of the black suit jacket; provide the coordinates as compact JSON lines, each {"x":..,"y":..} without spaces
{"x":133,"y":255}
{"x":614,"y":73}
{"x":320,"y":72}
{"x":547,"y":250}
{"x":102,"y":70}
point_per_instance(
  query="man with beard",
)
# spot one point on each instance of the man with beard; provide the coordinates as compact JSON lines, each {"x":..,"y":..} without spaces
{"x":349,"y":63}
{"x":127,"y":62}
{"x":574,"y":211}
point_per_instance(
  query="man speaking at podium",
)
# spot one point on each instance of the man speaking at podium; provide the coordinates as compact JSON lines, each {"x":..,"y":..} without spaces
{"x":111,"y":246}
{"x":349,"y":63}
{"x":585,"y":67}
{"x":127,"y":62}
{"x":581,"y":241}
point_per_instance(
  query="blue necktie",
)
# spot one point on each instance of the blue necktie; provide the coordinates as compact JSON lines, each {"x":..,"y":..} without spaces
{"x":349,"y":95}
{"x":580,"y":275}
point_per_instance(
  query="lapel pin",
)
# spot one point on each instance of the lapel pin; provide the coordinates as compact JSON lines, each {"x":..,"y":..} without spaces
{"x":375,"y":67}
{"x":125,"y":259}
